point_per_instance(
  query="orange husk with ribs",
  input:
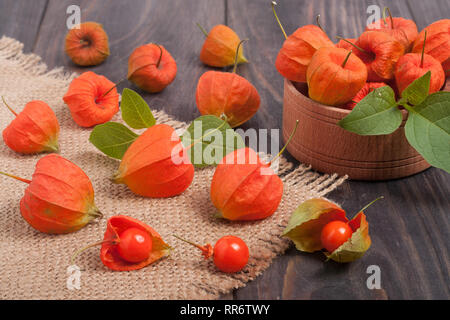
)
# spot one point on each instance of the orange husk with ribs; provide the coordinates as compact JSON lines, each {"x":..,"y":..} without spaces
{"x":35,"y":129}
{"x":335,"y":76}
{"x":245,"y":188}
{"x":346,"y":43}
{"x":227,"y":95}
{"x":437,"y":44}
{"x":156,"y":164}
{"x":411,"y":67}
{"x":297,"y":51}
{"x":92,"y":99}
{"x":224,"y":93}
{"x":59,"y":198}
{"x":401,"y":29}
{"x":151,"y":67}
{"x":380,"y":52}
{"x":109,"y":255}
{"x":220,"y":47}
{"x":87,"y":44}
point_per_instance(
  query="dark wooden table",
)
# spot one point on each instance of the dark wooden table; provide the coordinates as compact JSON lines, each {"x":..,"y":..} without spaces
{"x":409,"y":228}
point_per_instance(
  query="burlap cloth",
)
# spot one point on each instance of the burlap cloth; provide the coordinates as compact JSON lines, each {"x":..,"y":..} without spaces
{"x":34,"y":265}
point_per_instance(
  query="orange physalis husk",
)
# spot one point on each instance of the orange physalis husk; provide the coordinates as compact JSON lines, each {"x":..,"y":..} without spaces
{"x":224,"y":93}
{"x":87,"y":44}
{"x":297,"y":51}
{"x":156,"y":164}
{"x":335,"y":76}
{"x":410,"y":67}
{"x":59,"y":198}
{"x":344,"y":43}
{"x":220,"y":47}
{"x":368,"y":88}
{"x":151,"y":67}
{"x":35,"y":129}
{"x":437,"y":44}
{"x":109,"y":254}
{"x":401,"y":29}
{"x":92,"y":99}
{"x":381,"y":53}
{"x":355,"y":247}
{"x":307,"y":221}
{"x":244,"y":188}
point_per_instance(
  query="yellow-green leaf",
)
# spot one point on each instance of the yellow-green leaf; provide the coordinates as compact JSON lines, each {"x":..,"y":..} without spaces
{"x":418,"y":90}
{"x":355,"y":247}
{"x":307,"y":221}
{"x":135,"y":111}
{"x":112,"y":138}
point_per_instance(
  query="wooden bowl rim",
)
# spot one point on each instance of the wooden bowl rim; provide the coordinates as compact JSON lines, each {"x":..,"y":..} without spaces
{"x":337,"y":112}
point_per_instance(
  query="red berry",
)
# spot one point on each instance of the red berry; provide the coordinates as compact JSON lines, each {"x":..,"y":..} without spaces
{"x":334,"y":234}
{"x":135,"y":245}
{"x":230,"y":254}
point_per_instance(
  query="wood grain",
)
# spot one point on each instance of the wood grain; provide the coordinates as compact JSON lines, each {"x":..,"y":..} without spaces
{"x":409,"y":228}
{"x":22,"y":21}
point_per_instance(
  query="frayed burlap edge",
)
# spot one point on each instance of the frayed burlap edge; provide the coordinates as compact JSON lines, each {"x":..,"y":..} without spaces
{"x":272,"y":244}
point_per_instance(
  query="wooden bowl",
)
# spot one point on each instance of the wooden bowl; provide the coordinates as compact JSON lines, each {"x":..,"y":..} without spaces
{"x":328,"y":148}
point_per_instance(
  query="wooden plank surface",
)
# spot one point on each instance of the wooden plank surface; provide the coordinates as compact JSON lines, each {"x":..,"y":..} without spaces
{"x":22,"y":20}
{"x":409,"y":229}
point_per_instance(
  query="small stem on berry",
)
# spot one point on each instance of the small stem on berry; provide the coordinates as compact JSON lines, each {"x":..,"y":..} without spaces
{"x":114,"y":86}
{"x":351,"y":43}
{"x":10,"y":109}
{"x":207,"y":249}
{"x":237,"y":55}
{"x":318,"y":22}
{"x":187,"y":241}
{"x":423,"y":49}
{"x":15,"y":177}
{"x":160,"y":55}
{"x":286,"y":144}
{"x":390,"y":16}
{"x":369,"y":204}
{"x":278,"y":20}
{"x":346,"y":59}
{"x":84,"y":43}
{"x":202,"y":29}
{"x":72,"y":260}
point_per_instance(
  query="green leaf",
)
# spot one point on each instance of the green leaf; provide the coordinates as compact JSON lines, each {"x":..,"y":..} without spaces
{"x":418,"y":90}
{"x":112,"y":138}
{"x":135,"y":111}
{"x":428,"y":129}
{"x":210,"y":139}
{"x":376,"y":114}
